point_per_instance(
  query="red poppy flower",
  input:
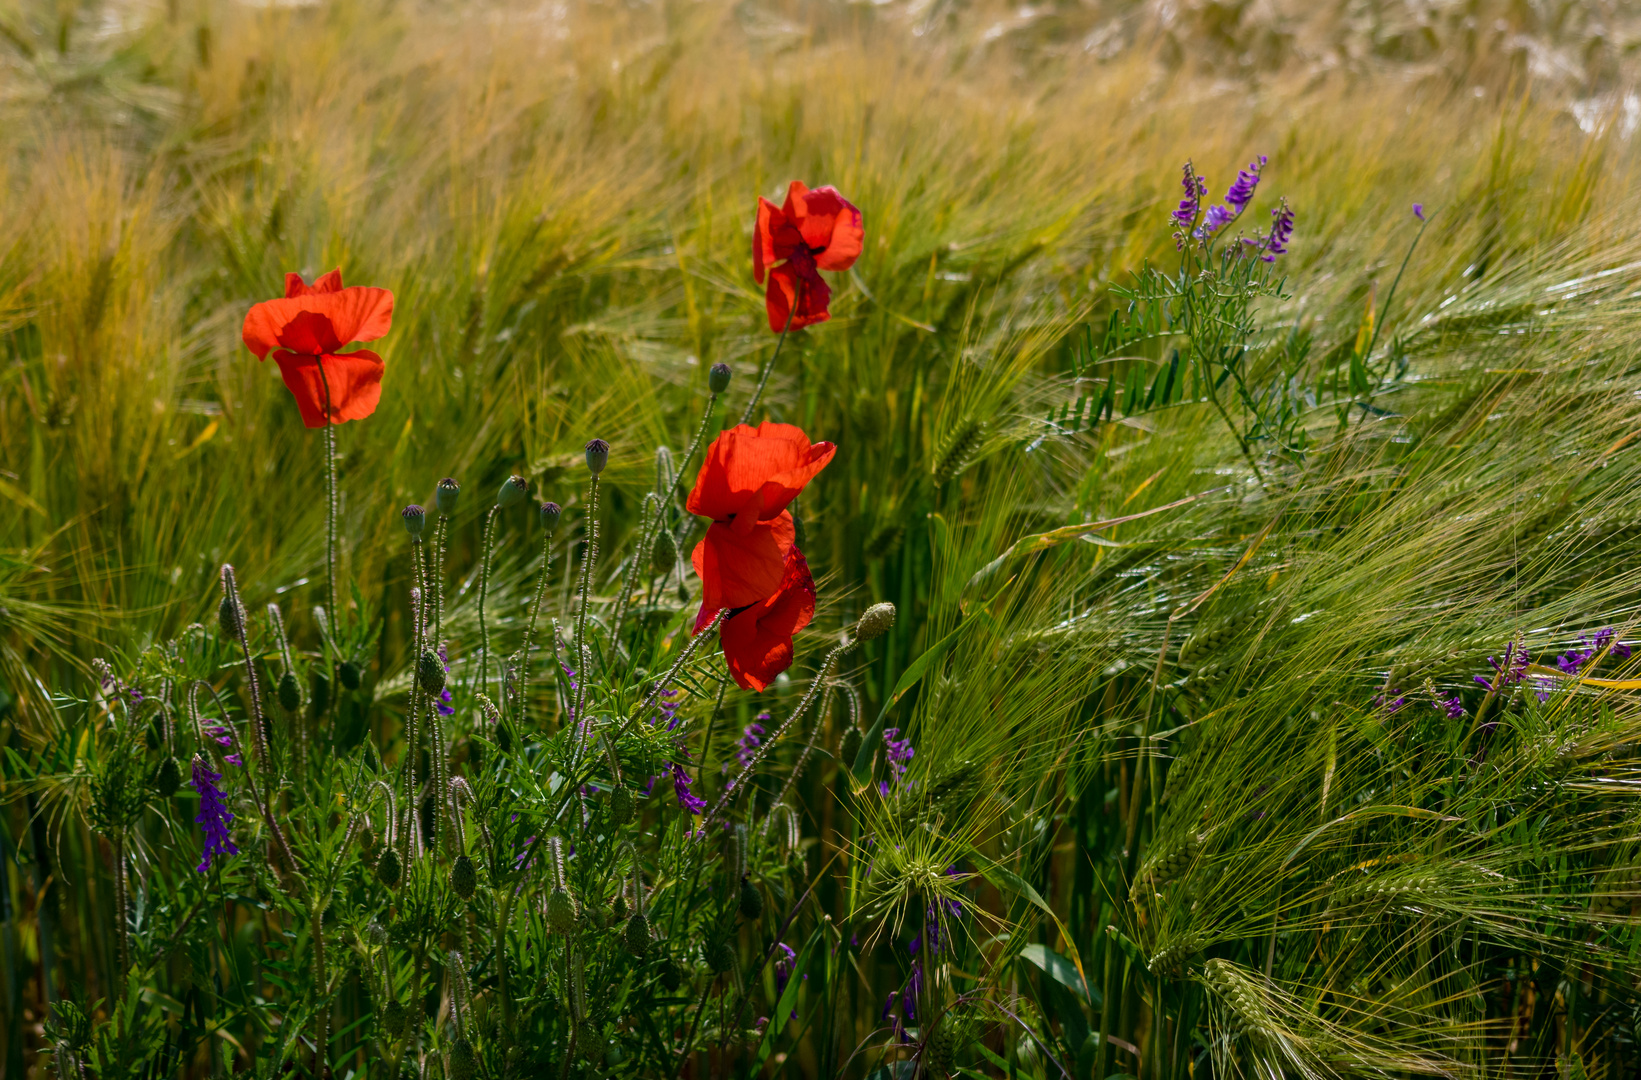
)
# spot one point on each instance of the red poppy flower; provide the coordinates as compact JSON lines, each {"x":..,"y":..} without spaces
{"x":308,"y":328}
{"x":814,"y":230}
{"x":748,"y":479}
{"x":757,"y":640}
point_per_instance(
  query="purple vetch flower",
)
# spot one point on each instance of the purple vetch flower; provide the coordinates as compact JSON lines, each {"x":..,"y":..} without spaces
{"x":1276,"y":242}
{"x":1185,"y":215}
{"x":1452,"y":706}
{"x":1509,"y":672}
{"x":214,"y":814}
{"x":783,"y":970}
{"x":899,"y":753}
{"x":1418,"y":210}
{"x":1242,"y":191}
{"x":680,"y":787}
{"x":1573,"y":662}
{"x":669,"y":710}
{"x":1389,"y":704}
{"x":751,"y":738}
{"x":1215,"y":218}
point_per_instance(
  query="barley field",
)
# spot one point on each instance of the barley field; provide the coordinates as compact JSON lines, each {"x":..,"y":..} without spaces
{"x":1169,"y":615}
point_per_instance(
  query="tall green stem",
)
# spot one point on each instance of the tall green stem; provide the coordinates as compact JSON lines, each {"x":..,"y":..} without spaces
{"x":581,"y":651}
{"x":763,"y":377}
{"x":487,"y":550}
{"x":330,"y":501}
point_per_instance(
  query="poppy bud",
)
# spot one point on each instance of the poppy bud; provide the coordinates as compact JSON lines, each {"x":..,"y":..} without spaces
{"x":875,"y":622}
{"x":621,"y":806}
{"x":367,"y":841}
{"x":444,"y":496}
{"x":664,"y":553}
{"x":463,"y":878}
{"x":550,"y":512}
{"x":637,"y":937}
{"x":415,"y":519}
{"x":321,"y":693}
{"x":512,"y":492}
{"x":167,"y":778}
{"x":230,"y":617}
{"x":463,"y":1063}
{"x":720,"y":956}
{"x":618,"y":907}
{"x":561,"y":910}
{"x":395,"y":1019}
{"x":429,"y":819}
{"x":430,"y":673}
{"x":388,"y":869}
{"x":751,"y":901}
{"x":849,"y":746}
{"x":718,"y":377}
{"x":672,"y":976}
{"x":350,"y":675}
{"x":800,"y":534}
{"x":598,"y":455}
{"x":290,"y":695}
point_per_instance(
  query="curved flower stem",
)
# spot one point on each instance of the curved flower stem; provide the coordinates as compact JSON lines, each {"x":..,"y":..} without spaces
{"x":258,"y":732}
{"x":582,"y":654}
{"x":486,"y":550}
{"x":330,"y":500}
{"x":763,"y":379}
{"x":441,"y":537}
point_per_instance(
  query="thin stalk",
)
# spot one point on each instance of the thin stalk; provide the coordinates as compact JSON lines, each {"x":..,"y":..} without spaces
{"x":684,"y":656}
{"x":487,"y":549}
{"x":581,"y":652}
{"x":330,"y":497}
{"x":321,"y":1039}
{"x":763,"y":377}
{"x":706,"y":421}
{"x":441,"y":538}
{"x":122,"y":903}
{"x":535,"y":612}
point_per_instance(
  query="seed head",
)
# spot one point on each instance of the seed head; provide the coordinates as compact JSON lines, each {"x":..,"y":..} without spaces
{"x":512,"y":492}
{"x":875,"y":622}
{"x":444,"y":496}
{"x":415,"y":519}
{"x":672,"y":976}
{"x":718,"y":378}
{"x":430,"y":673}
{"x":598,"y":455}
{"x":463,"y":878}
{"x":550,"y":512}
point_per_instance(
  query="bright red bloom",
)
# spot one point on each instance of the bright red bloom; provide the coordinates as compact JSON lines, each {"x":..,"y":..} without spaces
{"x":307,"y":328}
{"x":748,"y":479}
{"x":757,"y":640}
{"x":814,"y":230}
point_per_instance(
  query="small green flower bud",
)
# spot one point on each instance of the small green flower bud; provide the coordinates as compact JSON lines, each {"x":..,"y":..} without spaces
{"x":849,"y":746}
{"x":167,"y":778}
{"x":618,"y":907}
{"x":512,"y":492}
{"x":320,"y":686}
{"x":388,"y":869}
{"x":464,"y":879}
{"x":290,"y":694}
{"x":598,"y":456}
{"x":395,"y":1020}
{"x":664,"y":554}
{"x":367,"y":841}
{"x":444,"y":496}
{"x":415,"y":519}
{"x":561,"y":910}
{"x":350,"y":675}
{"x":550,"y":512}
{"x":672,"y":976}
{"x":622,"y":805}
{"x":230,"y":617}
{"x":718,"y":377}
{"x":463,"y":1063}
{"x":637,"y":937}
{"x":751,"y":901}
{"x":430,"y":673}
{"x":875,"y":622}
{"x":720,"y":956}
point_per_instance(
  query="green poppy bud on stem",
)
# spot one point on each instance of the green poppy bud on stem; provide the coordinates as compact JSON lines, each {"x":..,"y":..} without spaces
{"x":512,"y":492}
{"x":444,"y":496}
{"x":751,"y":901}
{"x":430,"y":673}
{"x":875,"y":622}
{"x":415,"y":519}
{"x":388,"y":869}
{"x":718,"y":377}
{"x":621,"y":806}
{"x":290,"y":694}
{"x":550,"y":512}
{"x":395,"y":1020}
{"x":230,"y":617}
{"x":464,"y":1062}
{"x":561,"y":910}
{"x":167,"y":778}
{"x":598,"y":455}
{"x":664,"y":554}
{"x":637,"y":937}
{"x":350,"y":675}
{"x":849,"y":746}
{"x":464,"y":879}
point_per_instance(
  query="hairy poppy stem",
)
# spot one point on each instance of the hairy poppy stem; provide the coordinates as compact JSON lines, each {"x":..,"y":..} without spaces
{"x":330,"y":498}
{"x":486,"y":550}
{"x":582,"y":654}
{"x":535,"y":613}
{"x":763,"y":377}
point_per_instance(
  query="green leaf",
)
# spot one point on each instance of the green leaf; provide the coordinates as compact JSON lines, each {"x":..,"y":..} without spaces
{"x":1058,"y":968}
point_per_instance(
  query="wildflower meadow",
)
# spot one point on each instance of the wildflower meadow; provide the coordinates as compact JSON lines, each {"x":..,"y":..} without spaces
{"x":793,"y":538}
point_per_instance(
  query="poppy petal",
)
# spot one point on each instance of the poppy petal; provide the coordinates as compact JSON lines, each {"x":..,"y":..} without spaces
{"x":738,"y":570}
{"x":769,"y":464}
{"x":357,"y":313}
{"x":310,"y":333}
{"x":329,"y":283}
{"x":813,"y":298}
{"x":354,"y":381}
{"x":763,"y":238}
{"x":757,"y":641}
{"x":831,"y":227}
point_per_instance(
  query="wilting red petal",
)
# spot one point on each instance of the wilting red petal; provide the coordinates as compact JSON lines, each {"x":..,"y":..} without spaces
{"x":830,"y":224}
{"x":737,"y":570}
{"x":354,"y":381}
{"x":358,"y":313}
{"x":755,"y":471}
{"x":329,"y":283}
{"x":757,"y":642}
{"x":797,"y":278}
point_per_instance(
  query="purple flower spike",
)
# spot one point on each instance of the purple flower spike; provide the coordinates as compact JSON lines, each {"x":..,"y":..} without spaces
{"x":214,"y":814}
{"x":1418,"y":210}
{"x":680,"y":787}
{"x":1276,"y":242}
{"x":1242,"y":192}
